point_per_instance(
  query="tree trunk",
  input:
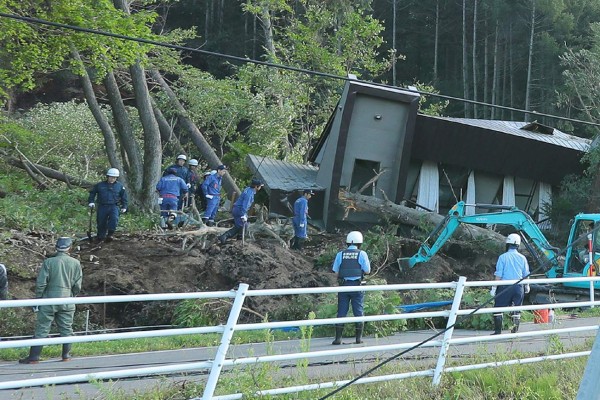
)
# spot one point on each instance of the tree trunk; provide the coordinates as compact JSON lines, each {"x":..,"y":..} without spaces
{"x":465,"y":63}
{"x":475,"y":113}
{"x":436,"y":42}
{"x":394,"y":48}
{"x":130,"y":150}
{"x":529,"y":63}
{"x":152,"y":143}
{"x":486,"y":72}
{"x":110,"y":142}
{"x":495,"y":72}
{"x":409,"y":216}
{"x":205,"y":149}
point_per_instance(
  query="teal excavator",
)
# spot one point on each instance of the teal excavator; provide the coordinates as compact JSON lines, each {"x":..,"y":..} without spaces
{"x":580,"y":259}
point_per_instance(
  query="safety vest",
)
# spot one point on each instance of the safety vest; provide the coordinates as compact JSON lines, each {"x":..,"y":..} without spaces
{"x":350,"y":266}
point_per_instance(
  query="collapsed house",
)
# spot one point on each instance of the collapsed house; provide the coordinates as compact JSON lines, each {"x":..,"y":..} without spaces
{"x":426,"y":162}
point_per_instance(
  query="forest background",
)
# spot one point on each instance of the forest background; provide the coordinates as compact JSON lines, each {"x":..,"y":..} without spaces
{"x":79,"y":102}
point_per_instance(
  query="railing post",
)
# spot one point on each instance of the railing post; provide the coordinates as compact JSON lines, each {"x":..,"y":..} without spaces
{"x":217,"y":365}
{"x":592,"y":292}
{"x":439,"y":368}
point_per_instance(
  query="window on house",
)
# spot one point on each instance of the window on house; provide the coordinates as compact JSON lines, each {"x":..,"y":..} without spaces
{"x":363,"y":171}
{"x":453,"y":185}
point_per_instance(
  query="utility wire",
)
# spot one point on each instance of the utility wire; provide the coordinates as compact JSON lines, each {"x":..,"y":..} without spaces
{"x":460,"y":318}
{"x":285,"y":67}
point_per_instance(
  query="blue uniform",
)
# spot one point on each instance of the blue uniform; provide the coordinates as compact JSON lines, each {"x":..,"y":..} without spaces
{"x":242,"y":206}
{"x":184,"y":173}
{"x":511,"y":265}
{"x":212,"y":187}
{"x":300,"y":217}
{"x":350,"y":265}
{"x":109,"y":197}
{"x":170,"y":188}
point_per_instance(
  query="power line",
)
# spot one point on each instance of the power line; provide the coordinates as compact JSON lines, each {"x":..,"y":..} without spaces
{"x":284,"y":67}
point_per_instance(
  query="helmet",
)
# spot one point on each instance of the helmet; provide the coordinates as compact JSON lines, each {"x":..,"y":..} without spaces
{"x":113,"y":172}
{"x":256,"y":182}
{"x":513,"y":238}
{"x":193,"y":161}
{"x":63,"y":243}
{"x":354,"y":237}
{"x":181,"y":157}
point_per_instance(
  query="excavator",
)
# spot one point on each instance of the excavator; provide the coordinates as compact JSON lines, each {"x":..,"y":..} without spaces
{"x":582,"y":256}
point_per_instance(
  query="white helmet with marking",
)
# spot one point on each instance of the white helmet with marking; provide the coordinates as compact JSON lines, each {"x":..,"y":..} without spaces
{"x":181,"y":157}
{"x":112,"y":172}
{"x":354,"y":237}
{"x":193,"y":161}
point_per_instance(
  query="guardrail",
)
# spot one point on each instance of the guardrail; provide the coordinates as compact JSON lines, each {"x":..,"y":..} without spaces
{"x":220,"y":361}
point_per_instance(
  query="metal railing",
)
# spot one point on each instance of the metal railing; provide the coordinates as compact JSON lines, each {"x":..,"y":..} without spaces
{"x":220,"y":360}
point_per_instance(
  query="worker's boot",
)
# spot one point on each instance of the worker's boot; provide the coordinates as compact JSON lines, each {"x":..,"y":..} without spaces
{"x":339,"y":329}
{"x":66,"y":352}
{"x":299,"y":243}
{"x":516,"y":321}
{"x":210,"y":222}
{"x":109,"y":236}
{"x":34,"y":355}
{"x":230,"y":233}
{"x":497,"y":325}
{"x":359,"y":331}
{"x":293,"y":243}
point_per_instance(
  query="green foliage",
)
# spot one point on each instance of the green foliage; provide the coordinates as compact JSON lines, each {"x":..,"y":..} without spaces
{"x":16,"y":322}
{"x":200,"y":312}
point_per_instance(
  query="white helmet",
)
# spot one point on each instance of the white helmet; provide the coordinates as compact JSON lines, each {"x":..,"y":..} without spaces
{"x":181,"y":157}
{"x":193,"y":161}
{"x":113,"y":172}
{"x":354,"y":237}
{"x":513,"y":238}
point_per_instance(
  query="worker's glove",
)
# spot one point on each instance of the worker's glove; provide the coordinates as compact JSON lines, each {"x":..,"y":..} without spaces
{"x":209,"y":196}
{"x":91,"y":205}
{"x":123,"y":210}
{"x":189,"y":185}
{"x":244,"y":218}
{"x":35,"y":308}
{"x":160,"y":201}
{"x":527,"y":288}
{"x":301,"y":225}
{"x":493,"y":291}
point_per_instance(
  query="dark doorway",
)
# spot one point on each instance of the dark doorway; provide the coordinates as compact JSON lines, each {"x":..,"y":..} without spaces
{"x":363,"y":171}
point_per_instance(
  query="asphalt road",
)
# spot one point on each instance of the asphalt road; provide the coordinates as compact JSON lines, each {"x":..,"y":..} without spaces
{"x":327,"y":367}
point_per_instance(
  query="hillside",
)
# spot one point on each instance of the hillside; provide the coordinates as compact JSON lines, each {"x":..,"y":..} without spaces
{"x":136,"y":264}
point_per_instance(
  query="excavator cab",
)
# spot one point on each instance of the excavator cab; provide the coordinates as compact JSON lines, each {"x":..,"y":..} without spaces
{"x":584,"y":233}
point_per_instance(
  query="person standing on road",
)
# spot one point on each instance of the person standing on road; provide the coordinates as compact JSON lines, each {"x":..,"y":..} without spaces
{"x":240,"y":210}
{"x":110,"y":196}
{"x":170,"y":188}
{"x":212,"y":192}
{"x":60,"y":276}
{"x":3,"y":283}
{"x":351,"y":265}
{"x":299,"y":221}
{"x":511,"y":265}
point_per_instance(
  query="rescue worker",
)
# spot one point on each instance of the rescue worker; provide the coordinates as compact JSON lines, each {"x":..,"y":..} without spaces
{"x":194,"y":180}
{"x":110,"y":196}
{"x":60,"y":276}
{"x":212,"y":192}
{"x":200,"y":191}
{"x":300,"y":220}
{"x":351,"y":265}
{"x":181,"y":171}
{"x":240,"y":210}
{"x":170,"y":188}
{"x":511,"y":265}
{"x":3,"y":283}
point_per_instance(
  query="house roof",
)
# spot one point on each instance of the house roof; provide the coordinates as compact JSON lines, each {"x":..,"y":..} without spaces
{"x":516,"y":128}
{"x":283,"y":175}
{"x":501,"y":147}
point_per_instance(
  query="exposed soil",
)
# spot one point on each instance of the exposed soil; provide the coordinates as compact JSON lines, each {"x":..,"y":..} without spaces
{"x":155,"y":264}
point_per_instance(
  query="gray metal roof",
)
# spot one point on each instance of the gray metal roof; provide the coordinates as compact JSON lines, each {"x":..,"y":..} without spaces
{"x":283,"y":175}
{"x":557,"y":138}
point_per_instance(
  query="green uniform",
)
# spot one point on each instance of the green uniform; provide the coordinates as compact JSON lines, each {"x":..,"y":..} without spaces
{"x":60,"y":276}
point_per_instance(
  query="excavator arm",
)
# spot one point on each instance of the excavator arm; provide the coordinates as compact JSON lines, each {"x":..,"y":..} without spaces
{"x":511,"y":216}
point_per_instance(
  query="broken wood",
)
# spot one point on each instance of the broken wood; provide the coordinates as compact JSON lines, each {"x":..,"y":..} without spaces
{"x":409,"y":216}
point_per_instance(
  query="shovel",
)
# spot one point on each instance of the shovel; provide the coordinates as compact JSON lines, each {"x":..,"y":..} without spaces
{"x":89,"y":232}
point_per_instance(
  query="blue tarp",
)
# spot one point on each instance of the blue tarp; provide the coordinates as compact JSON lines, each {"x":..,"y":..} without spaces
{"x":423,"y":306}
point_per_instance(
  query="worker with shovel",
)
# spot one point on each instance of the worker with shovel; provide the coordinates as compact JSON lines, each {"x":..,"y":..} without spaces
{"x":240,"y":210}
{"x":110,"y":196}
